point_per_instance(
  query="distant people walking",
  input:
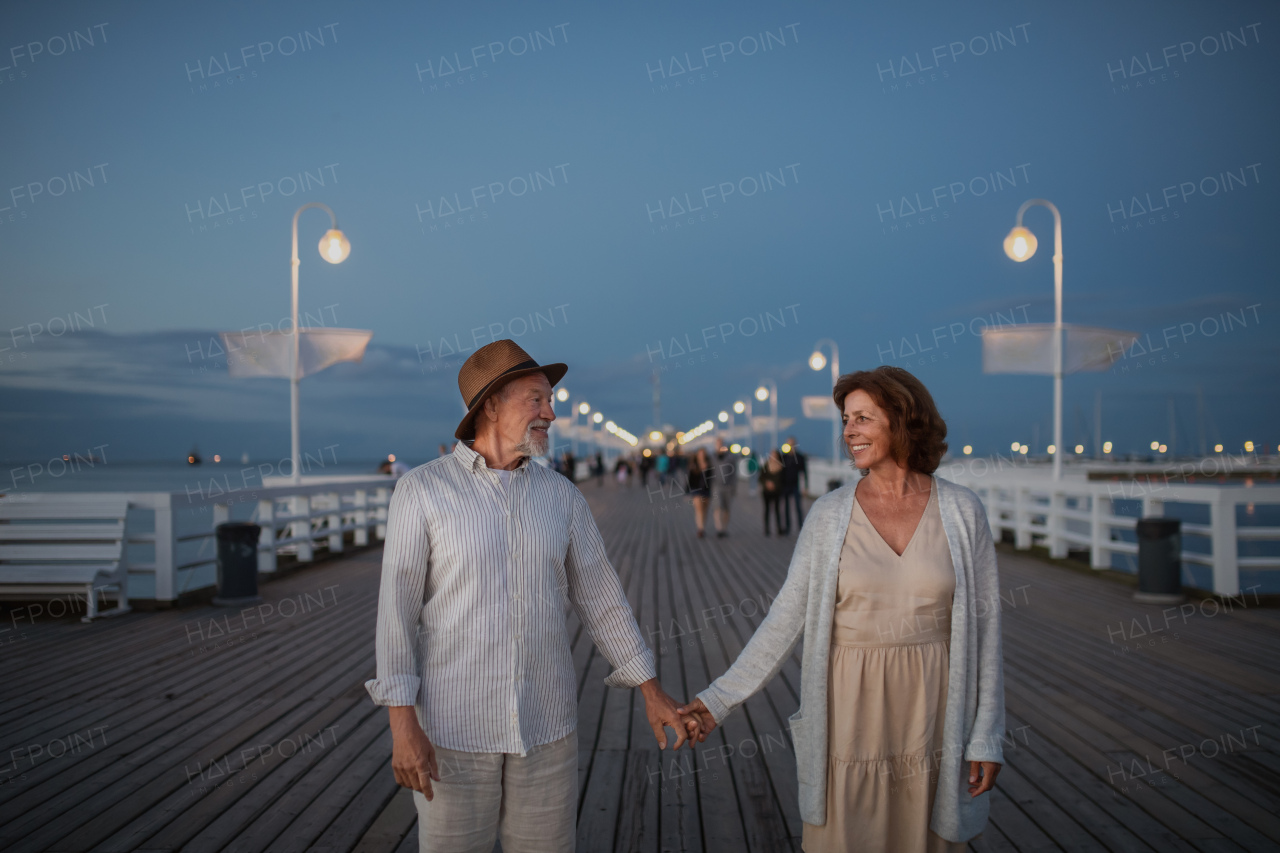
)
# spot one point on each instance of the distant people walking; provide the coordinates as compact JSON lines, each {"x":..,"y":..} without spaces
{"x":622,"y":470}
{"x":392,"y":467}
{"x":597,"y":468}
{"x":726,"y":487}
{"x":771,"y":492}
{"x":794,"y":465}
{"x":645,"y":465}
{"x":569,"y":466}
{"x":701,"y":473}
{"x":664,"y":469}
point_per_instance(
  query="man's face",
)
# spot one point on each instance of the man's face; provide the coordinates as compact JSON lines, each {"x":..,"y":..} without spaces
{"x":521,"y":413}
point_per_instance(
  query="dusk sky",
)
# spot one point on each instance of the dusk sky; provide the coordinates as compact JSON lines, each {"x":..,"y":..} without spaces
{"x":610,"y":184}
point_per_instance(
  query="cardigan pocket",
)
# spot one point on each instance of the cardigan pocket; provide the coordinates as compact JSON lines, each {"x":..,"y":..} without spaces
{"x":800,"y":740}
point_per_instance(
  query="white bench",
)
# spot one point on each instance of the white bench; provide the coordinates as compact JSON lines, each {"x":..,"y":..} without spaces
{"x":51,"y":545}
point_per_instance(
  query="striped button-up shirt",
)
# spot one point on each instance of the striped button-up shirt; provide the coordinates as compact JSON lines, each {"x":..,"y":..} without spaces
{"x":477,"y":581}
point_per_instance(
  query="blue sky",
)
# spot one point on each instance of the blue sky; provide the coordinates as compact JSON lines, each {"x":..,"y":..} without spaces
{"x":786,"y":133}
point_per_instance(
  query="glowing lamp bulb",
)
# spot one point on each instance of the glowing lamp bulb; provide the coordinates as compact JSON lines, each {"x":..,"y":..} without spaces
{"x":817,"y":361}
{"x":739,"y":407}
{"x":334,"y":247}
{"x":1020,"y":244}
{"x":762,"y":393}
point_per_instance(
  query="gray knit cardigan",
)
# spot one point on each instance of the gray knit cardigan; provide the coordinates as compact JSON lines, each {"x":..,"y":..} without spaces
{"x":974,"y":723}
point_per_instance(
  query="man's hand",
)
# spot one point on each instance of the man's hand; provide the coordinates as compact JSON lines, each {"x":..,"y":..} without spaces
{"x":706,"y":722}
{"x":413,"y":758}
{"x":661,"y":710}
{"x":980,"y":784}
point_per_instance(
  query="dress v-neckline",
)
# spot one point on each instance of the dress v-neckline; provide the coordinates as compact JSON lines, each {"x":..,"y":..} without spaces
{"x":919,"y":523}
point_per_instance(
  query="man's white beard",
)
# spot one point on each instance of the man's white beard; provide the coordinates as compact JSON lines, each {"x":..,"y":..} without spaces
{"x":531,"y":444}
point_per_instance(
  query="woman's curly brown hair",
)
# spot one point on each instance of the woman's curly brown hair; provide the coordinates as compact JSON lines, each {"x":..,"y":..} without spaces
{"x":918,"y":430}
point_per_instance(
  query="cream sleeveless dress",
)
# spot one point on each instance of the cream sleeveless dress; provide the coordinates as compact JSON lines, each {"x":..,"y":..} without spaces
{"x":887,"y":690}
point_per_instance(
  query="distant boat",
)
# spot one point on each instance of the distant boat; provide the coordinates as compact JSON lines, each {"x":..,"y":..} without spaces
{"x":193,"y":458}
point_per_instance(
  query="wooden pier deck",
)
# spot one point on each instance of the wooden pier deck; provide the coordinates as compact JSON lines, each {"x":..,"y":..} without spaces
{"x":198,"y":730}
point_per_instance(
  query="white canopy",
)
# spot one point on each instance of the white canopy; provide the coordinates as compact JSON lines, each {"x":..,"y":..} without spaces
{"x":252,"y":354}
{"x":1028,"y":348}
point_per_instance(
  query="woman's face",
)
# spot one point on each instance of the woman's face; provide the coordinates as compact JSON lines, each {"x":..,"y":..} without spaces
{"x":867,"y":432}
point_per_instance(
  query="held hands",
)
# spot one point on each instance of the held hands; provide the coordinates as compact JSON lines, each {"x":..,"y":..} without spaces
{"x":706,"y":722}
{"x":980,"y":784}
{"x":413,"y":758}
{"x":662,"y":712}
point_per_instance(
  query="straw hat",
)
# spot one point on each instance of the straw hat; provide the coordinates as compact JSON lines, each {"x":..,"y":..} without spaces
{"x":487,"y":370}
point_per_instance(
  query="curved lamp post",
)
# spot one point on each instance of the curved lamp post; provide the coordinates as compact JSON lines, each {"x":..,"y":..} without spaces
{"x":1021,"y":245}
{"x":768,"y":390}
{"x":334,"y":248}
{"x":817,"y":361}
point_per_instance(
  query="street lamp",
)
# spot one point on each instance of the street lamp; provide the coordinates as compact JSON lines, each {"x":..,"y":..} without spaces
{"x":768,"y":390}
{"x":561,"y":395}
{"x":818,"y":361}
{"x":745,"y":410}
{"x":334,"y":248}
{"x":1020,"y":245}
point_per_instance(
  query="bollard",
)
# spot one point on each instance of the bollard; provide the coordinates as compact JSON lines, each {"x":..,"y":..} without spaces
{"x":237,"y":564}
{"x":1159,"y":561}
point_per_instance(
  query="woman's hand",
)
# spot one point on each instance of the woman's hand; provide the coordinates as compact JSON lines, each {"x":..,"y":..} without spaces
{"x":987,"y":781}
{"x":706,"y":722}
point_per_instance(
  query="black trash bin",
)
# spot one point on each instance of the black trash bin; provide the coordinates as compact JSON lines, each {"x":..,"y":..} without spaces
{"x":237,"y":564}
{"x":1159,"y":561}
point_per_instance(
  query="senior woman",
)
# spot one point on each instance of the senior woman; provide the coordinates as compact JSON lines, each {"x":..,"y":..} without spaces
{"x":898,"y":736}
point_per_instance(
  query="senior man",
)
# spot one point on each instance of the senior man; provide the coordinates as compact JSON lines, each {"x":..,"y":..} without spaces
{"x":485,"y":554}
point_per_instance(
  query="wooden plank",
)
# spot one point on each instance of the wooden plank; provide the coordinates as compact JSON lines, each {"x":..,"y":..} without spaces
{"x":396,"y":822}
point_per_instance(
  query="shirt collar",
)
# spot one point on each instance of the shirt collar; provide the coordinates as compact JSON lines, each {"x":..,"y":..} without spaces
{"x":473,"y":461}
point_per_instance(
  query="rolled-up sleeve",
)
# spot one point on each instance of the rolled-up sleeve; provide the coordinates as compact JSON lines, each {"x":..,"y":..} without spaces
{"x":405,"y":559}
{"x":597,"y":595}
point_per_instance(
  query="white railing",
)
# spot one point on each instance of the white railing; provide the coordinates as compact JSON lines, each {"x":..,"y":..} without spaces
{"x":1077,"y":512}
{"x":295,"y":520}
